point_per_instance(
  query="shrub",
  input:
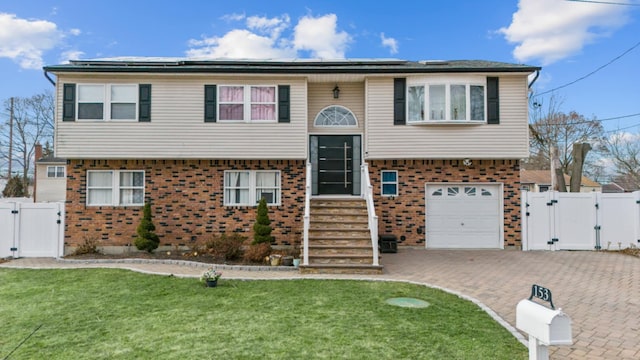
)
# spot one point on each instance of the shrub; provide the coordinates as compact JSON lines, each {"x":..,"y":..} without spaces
{"x":15,"y":188}
{"x":262,"y":228}
{"x":228,"y":247}
{"x":256,"y":253}
{"x":88,"y":246}
{"x":147,"y":240}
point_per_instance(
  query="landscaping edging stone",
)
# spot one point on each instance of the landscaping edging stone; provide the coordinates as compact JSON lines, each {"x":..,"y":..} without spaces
{"x":181,"y":263}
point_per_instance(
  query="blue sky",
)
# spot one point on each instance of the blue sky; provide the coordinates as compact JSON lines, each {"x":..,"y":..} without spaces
{"x":569,"y":39}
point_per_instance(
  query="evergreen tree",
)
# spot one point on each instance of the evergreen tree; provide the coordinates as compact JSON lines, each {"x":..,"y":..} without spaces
{"x":147,"y":240}
{"x":15,"y":188}
{"x":261,"y":228}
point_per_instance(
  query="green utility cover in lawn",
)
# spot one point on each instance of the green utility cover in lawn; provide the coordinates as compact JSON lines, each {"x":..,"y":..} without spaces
{"x":408,"y":302}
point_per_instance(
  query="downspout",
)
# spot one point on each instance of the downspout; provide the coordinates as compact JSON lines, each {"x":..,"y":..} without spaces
{"x":46,"y":74}
{"x":534,"y":79}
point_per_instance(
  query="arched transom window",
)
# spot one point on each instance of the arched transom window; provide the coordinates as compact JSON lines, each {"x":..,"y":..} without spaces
{"x":335,"y":116}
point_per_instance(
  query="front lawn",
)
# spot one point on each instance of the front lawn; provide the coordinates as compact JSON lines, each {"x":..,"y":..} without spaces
{"x":118,"y":314}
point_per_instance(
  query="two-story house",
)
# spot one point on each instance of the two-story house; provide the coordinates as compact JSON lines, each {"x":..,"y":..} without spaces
{"x":432,"y":147}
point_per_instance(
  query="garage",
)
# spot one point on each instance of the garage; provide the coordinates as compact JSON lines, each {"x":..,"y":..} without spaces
{"x":464,"y":216}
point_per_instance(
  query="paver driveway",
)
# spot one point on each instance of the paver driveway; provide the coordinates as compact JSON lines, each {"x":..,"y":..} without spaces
{"x":600,"y":291}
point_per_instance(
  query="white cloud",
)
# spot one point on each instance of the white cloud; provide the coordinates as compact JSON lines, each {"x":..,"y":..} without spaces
{"x":551,"y":30}
{"x":24,"y":41}
{"x":273,"y":27}
{"x":75,"y":32}
{"x":234,"y":17}
{"x":319,"y":36}
{"x":264,"y":38}
{"x":391,"y":43}
{"x":239,"y":44}
{"x":70,"y":55}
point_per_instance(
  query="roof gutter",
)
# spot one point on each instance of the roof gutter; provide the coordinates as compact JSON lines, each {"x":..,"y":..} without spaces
{"x":46,"y":74}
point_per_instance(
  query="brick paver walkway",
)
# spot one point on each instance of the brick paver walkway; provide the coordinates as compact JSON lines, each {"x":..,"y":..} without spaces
{"x":599,"y":291}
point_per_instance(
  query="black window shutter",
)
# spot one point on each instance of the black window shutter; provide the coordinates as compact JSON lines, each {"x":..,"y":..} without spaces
{"x":69,"y":102}
{"x":399,"y":101}
{"x":210,"y":107}
{"x":284,"y":102}
{"x":144,"y":102}
{"x":493,"y":101}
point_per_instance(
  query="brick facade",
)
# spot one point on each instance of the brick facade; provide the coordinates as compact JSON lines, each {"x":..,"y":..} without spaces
{"x":187,"y":202}
{"x":404,"y":215}
{"x":187,"y":199}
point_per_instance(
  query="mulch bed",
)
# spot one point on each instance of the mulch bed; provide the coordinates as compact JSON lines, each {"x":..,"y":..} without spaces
{"x":164,"y":255}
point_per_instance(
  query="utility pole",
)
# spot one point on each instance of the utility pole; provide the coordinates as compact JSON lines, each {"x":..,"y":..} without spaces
{"x":10,"y":137}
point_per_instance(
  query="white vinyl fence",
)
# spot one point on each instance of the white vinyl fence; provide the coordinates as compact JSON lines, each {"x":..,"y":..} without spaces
{"x":580,"y":221}
{"x":31,"y":229}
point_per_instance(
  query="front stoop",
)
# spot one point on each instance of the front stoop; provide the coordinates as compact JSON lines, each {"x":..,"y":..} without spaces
{"x":339,"y":238}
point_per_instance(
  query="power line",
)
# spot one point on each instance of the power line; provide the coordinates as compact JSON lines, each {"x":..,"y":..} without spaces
{"x":624,"y":128}
{"x":604,"y":2}
{"x":591,"y":73}
{"x":588,"y":121}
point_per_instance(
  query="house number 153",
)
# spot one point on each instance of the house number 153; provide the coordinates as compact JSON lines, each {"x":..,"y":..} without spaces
{"x":541,"y":293}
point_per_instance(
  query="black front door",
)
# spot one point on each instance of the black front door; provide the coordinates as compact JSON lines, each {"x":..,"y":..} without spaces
{"x":335,"y":165}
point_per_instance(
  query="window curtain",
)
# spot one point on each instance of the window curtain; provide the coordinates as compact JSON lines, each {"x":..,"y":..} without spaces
{"x":231,"y":102}
{"x":263,"y":103}
{"x":131,"y":187}
{"x":100,"y":191}
{"x":267,"y":186}
{"x":237,"y":187}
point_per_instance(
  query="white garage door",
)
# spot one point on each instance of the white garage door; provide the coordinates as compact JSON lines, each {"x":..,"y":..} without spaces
{"x":464,"y":216}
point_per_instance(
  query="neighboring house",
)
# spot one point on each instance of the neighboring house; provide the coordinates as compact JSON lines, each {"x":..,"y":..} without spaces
{"x":203,"y":141}
{"x":50,"y":184}
{"x":621,"y":184}
{"x":540,"y":181}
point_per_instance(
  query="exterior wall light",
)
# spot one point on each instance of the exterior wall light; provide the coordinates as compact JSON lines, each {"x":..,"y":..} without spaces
{"x":336,"y":92}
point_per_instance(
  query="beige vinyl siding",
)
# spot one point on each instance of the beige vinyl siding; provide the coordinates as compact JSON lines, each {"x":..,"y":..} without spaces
{"x":49,"y":189}
{"x":177,"y":129}
{"x":507,"y":140}
{"x":351,"y":97}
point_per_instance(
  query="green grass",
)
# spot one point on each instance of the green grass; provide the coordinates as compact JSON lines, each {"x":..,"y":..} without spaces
{"x":118,"y":314}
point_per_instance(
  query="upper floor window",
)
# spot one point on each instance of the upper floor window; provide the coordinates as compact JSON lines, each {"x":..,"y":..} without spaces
{"x":446,"y":102}
{"x":55,"y":171}
{"x":335,"y":115}
{"x":247,"y":103}
{"x":115,"y":187}
{"x":107,"y":102}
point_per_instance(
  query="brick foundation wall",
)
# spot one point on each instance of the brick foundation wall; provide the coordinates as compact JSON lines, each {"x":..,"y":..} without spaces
{"x":405,"y":214}
{"x":187,"y":202}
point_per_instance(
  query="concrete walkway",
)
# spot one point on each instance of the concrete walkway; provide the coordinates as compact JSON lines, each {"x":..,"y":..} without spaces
{"x":599,"y":291}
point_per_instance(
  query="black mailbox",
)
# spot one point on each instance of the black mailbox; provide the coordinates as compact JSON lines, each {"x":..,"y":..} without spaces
{"x":388,"y":243}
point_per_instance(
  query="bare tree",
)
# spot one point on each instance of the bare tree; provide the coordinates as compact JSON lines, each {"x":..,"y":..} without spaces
{"x":551,"y":127}
{"x":624,"y":150}
{"x":33,"y":123}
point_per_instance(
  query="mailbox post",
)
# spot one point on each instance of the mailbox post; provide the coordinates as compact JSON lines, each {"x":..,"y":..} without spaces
{"x":545,"y":326}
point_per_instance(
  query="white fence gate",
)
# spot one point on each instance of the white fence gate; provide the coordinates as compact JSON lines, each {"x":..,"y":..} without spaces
{"x":31,"y":229}
{"x":580,"y":221}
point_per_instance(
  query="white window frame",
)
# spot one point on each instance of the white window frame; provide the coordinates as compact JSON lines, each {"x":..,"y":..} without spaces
{"x":116,"y":187}
{"x":106,"y":102}
{"x":333,"y":107}
{"x":252,"y":187}
{"x":56,"y":172}
{"x":447,"y":113}
{"x":247,"y":104}
{"x":383,"y":183}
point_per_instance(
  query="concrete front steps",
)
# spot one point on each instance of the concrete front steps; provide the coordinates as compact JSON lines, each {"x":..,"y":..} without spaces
{"x":339,"y":238}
